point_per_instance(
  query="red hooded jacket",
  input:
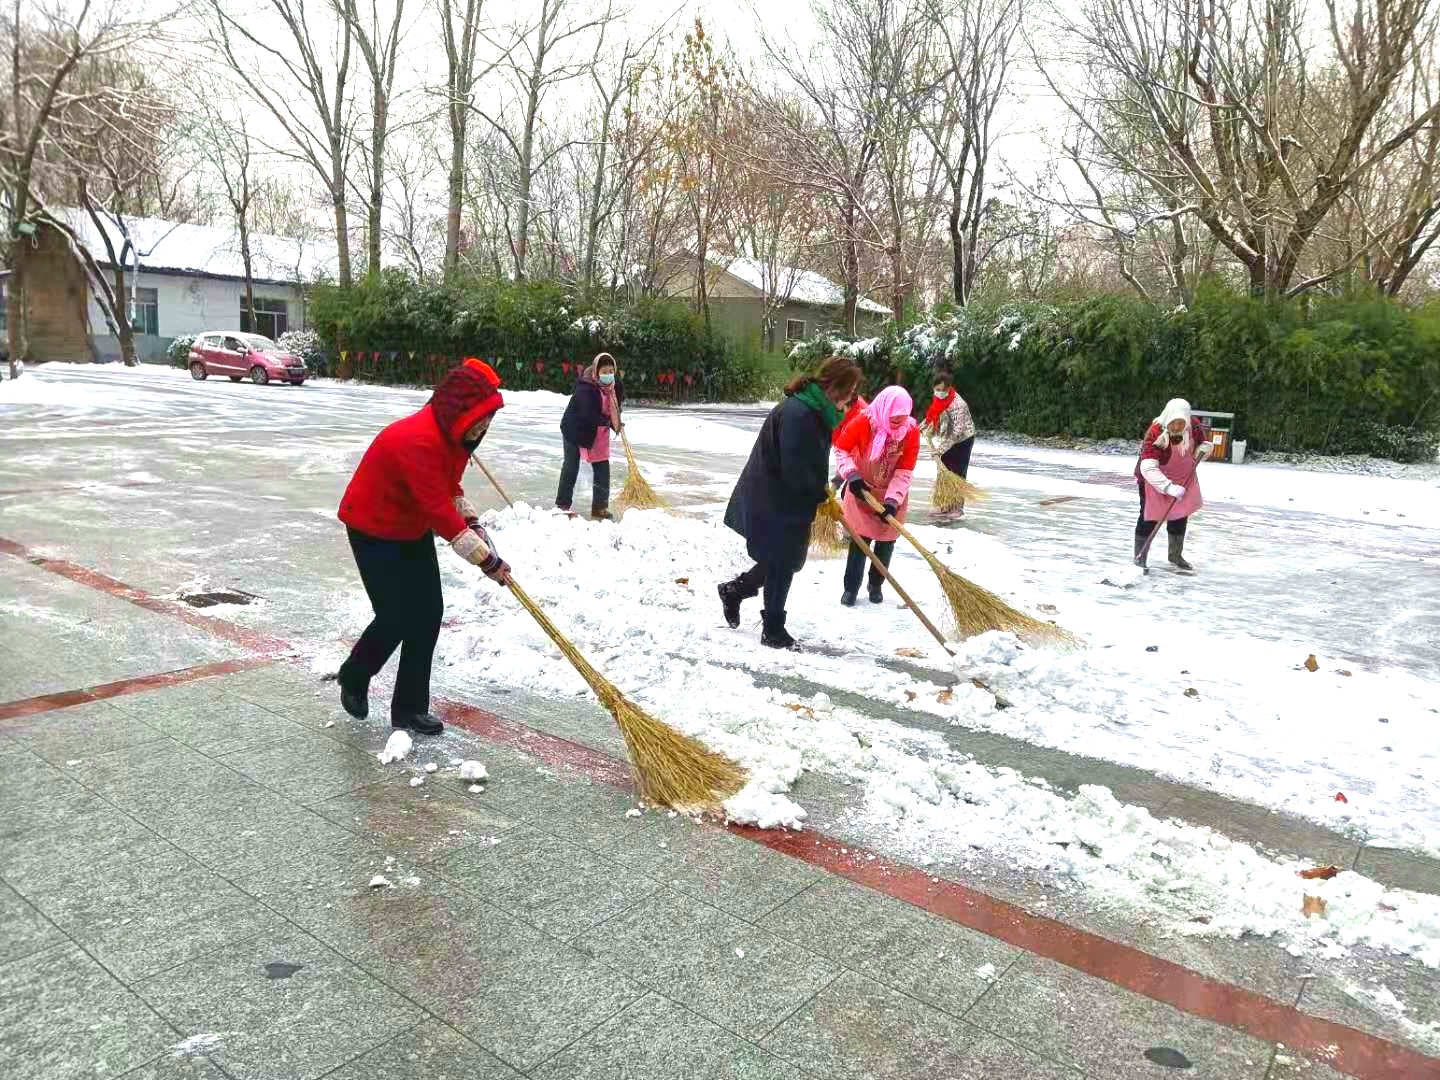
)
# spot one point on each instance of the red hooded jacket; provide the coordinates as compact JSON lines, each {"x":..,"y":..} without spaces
{"x":407,"y":482}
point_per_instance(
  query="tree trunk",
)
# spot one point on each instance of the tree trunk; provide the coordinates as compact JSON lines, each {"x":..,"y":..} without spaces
{"x":852,"y":269}
{"x":458,"y":115}
{"x":527,"y":154}
{"x":379,"y":118}
{"x":17,"y":299}
{"x":597,"y":189}
{"x":124,"y":326}
{"x":342,"y":218}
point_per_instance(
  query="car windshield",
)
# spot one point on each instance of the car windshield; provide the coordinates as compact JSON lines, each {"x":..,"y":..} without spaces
{"x":257,"y":343}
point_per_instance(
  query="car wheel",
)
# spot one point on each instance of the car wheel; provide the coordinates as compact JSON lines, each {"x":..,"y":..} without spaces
{"x":258,"y":376}
{"x":234,"y":378}
{"x":197,"y":371}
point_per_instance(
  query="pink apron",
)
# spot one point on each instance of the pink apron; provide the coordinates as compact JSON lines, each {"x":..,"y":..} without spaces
{"x":877,"y":475}
{"x":1180,"y":469}
{"x":600,"y":449}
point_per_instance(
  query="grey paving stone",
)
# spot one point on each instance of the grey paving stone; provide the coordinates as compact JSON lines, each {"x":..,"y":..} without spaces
{"x":1400,"y":869}
{"x":219,"y":724}
{"x":1288,"y":1065}
{"x":592,"y":815}
{"x":993,"y":1058}
{"x":716,"y":866}
{"x":857,"y":1029}
{"x":430,"y":1051}
{"x":148,"y":909}
{"x":423,"y":823}
{"x":32,"y":790}
{"x":94,"y":728}
{"x":296,"y":1027}
{"x":26,"y":930}
{"x":1339,"y":993}
{"x":80,"y":831}
{"x":561,"y":888}
{"x":63,"y":1016}
{"x":659,"y":1040}
{"x":735,"y":974}
{"x":1105,"y":1030}
{"x":170,"y":1066}
{"x":892,"y":942}
{"x":307,"y":767}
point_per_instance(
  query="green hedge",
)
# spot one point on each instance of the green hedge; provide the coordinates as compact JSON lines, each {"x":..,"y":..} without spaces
{"x":1323,"y":374}
{"x":391,"y":329}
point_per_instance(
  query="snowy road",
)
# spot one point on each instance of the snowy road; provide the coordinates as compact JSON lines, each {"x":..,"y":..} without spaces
{"x":167,"y":483}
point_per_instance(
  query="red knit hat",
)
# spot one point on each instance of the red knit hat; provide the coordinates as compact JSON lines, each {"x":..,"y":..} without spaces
{"x":468,"y":394}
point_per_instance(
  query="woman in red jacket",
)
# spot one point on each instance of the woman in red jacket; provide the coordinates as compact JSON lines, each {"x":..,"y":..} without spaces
{"x":876,"y":452}
{"x":406,"y":492}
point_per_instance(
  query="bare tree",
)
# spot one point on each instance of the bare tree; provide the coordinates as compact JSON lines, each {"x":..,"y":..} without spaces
{"x":225,"y":145}
{"x":1237,"y":122}
{"x":460,"y":31}
{"x":309,"y":97}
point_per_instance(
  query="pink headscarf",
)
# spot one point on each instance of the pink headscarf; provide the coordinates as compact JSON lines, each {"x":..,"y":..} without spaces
{"x":892,"y":402}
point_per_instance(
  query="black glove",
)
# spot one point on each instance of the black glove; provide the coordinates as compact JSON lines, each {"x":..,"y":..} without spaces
{"x":888,"y":510}
{"x":856,"y":486}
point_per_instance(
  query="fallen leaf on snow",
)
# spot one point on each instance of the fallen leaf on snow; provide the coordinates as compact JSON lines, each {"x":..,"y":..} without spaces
{"x":944,"y":696}
{"x":682,"y":581}
{"x":914,"y":654}
{"x":1313,"y":905}
{"x":1340,"y":797}
{"x":909,"y":695}
{"x":1311,"y":664}
{"x":1319,"y":873}
{"x":803,"y":710}
{"x":1342,"y":671}
{"x":1381,"y":906}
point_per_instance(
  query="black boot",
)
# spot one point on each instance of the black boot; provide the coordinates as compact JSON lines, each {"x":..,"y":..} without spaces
{"x":876,"y":596}
{"x":1177,"y":557}
{"x":1140,"y":552}
{"x":847,"y":598}
{"x":774,"y":634}
{"x":420,"y":723}
{"x":730,"y":603}
{"x":354,"y":699}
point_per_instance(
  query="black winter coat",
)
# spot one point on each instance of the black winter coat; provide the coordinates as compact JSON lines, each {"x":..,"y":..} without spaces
{"x":783,"y":483}
{"x":585,"y":414}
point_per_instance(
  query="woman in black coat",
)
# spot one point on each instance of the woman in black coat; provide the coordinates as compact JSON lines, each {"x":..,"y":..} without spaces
{"x":781,"y":487}
{"x":593,"y":412}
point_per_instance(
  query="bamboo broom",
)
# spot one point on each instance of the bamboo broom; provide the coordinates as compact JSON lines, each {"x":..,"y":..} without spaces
{"x":826,"y":539}
{"x":671,"y":768}
{"x":637,"y":494}
{"x":491,"y":477}
{"x":951,"y":490}
{"x":975,"y":610}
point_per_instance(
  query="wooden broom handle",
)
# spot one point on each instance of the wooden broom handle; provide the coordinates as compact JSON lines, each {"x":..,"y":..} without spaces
{"x":885,"y":573}
{"x":879,"y":507}
{"x":491,"y":477}
{"x":1145,"y":547}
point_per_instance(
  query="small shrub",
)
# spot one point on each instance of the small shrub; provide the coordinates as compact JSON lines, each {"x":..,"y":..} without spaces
{"x":178,"y":351}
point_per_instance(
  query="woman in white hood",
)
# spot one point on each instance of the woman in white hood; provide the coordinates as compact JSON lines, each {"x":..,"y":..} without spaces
{"x":1175,"y":444}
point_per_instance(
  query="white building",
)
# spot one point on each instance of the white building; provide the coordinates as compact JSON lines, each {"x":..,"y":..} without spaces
{"x":192,"y":279}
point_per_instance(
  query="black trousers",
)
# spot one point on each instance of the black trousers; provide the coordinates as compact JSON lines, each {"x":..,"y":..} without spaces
{"x":402,"y":579}
{"x":773,"y":578}
{"x":1143,"y":527}
{"x":570,"y":472}
{"x":856,"y":562}
{"x":957,"y":458}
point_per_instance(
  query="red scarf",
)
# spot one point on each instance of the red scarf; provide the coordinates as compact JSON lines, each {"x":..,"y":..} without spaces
{"x":937,"y":406}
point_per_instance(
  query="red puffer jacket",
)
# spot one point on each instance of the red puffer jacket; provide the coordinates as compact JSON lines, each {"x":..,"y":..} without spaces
{"x":407,"y":482}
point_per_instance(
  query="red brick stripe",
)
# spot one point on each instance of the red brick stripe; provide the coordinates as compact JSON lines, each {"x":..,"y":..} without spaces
{"x":1357,"y":1053}
{"x":63,"y":700}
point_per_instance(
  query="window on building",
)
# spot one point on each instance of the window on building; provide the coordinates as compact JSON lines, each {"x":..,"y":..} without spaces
{"x":272,"y":317}
{"x":794,"y":329}
{"x":147,"y":312}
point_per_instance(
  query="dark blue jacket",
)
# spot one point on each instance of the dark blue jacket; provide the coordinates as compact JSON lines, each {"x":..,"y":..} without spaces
{"x":782,"y":484}
{"x":585,"y":414}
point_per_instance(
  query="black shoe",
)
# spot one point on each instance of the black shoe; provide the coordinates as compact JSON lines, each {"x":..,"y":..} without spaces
{"x":420,"y":723}
{"x":601,"y":514}
{"x":847,"y":598}
{"x":355,"y":702}
{"x":774,"y":635}
{"x":730,"y":603}
{"x":876,"y":596}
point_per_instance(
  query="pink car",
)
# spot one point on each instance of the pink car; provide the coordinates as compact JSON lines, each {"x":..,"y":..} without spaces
{"x":240,"y":356}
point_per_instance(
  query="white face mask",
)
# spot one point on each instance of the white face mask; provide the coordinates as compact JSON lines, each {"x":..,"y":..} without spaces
{"x":942,"y":394}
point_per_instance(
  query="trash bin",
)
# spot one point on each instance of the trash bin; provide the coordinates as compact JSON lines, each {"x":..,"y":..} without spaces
{"x":1220,"y":425}
{"x":1237,"y":455}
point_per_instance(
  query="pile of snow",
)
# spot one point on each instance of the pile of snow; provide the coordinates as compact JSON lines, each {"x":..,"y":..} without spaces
{"x":397,"y":747}
{"x":473,"y":771}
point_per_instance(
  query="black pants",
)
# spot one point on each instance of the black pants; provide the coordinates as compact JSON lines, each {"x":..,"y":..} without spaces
{"x":570,"y":472}
{"x":856,"y":562}
{"x":957,"y":458}
{"x":773,"y":578}
{"x":402,"y":579}
{"x":1143,"y":527}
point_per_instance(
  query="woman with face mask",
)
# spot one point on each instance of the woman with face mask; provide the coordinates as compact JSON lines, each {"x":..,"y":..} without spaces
{"x":1175,"y":444}
{"x":948,"y":420}
{"x":405,"y":492}
{"x":876,"y":452}
{"x":593,"y":412}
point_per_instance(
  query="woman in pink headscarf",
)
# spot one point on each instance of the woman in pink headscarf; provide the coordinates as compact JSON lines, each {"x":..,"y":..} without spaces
{"x":876,"y":452}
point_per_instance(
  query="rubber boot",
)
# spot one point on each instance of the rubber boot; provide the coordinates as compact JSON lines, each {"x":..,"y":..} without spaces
{"x":877,"y":585}
{"x":774,"y":635}
{"x":730,"y":603}
{"x":1140,"y":539}
{"x":1177,"y":557}
{"x":847,"y":598}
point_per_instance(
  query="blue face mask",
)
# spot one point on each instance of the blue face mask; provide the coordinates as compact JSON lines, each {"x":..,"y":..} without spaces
{"x":607,"y":379}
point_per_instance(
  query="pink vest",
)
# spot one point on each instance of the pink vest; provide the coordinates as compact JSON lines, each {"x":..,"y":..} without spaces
{"x":1180,"y":469}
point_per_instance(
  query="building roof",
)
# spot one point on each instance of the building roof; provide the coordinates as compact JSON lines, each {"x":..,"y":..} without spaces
{"x":809,"y":287}
{"x":206,"y":250}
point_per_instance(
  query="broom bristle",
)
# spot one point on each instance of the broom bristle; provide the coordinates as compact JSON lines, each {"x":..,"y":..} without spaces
{"x":637,"y":494}
{"x":974,"y":609}
{"x":671,"y":768}
{"x":827,"y":539}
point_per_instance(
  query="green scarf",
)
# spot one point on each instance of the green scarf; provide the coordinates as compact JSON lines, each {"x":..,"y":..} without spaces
{"x":813,"y":396}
